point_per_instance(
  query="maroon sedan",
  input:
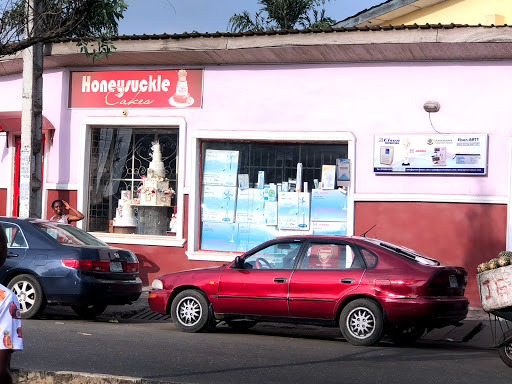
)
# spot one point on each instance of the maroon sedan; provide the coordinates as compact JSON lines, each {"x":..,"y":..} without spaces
{"x":367,"y":287}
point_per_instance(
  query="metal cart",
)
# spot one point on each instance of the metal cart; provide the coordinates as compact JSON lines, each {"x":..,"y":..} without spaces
{"x":495,"y":288}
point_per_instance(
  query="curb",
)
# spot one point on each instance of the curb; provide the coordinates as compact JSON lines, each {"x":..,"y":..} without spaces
{"x":65,"y":377}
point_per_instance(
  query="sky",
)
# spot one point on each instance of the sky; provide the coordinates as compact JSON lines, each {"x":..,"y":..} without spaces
{"x":178,"y":16}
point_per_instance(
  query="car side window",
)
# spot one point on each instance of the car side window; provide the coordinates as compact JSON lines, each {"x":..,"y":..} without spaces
{"x":15,"y":237}
{"x":331,"y":256}
{"x":369,"y":257}
{"x":275,"y":256}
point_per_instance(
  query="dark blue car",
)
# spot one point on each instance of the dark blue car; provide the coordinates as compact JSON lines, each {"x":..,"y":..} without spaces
{"x":53,"y":263}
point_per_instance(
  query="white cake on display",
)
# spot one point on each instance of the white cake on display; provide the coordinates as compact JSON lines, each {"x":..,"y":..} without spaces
{"x":125,"y":216}
{"x":155,"y":188}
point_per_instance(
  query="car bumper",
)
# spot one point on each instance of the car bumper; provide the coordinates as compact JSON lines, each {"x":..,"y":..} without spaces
{"x":91,"y":290}
{"x":431,"y":311}
{"x":158,"y":299}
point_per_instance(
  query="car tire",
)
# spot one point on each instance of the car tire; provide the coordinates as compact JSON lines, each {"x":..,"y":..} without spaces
{"x":190,"y":311}
{"x":405,"y":334}
{"x":29,"y":293}
{"x":241,"y":325}
{"x":505,"y":351}
{"x":361,"y":322}
{"x":89,"y":311}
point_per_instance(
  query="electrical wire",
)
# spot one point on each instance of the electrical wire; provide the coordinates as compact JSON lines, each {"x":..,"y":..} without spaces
{"x":432,"y":124}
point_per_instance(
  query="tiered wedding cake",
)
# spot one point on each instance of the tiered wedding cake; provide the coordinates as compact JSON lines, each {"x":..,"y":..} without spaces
{"x":181,"y":95}
{"x":125,"y":217}
{"x":155,"y":188}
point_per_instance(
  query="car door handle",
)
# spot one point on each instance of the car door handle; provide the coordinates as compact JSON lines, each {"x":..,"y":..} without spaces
{"x":347,"y":281}
{"x":10,"y":254}
{"x":280,"y":280}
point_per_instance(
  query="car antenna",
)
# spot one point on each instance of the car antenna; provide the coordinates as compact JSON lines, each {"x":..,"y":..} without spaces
{"x":364,"y":234}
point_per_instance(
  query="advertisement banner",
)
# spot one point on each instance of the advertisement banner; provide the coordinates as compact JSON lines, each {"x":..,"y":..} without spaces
{"x":430,"y":154}
{"x":171,"y":88}
{"x":220,"y":167}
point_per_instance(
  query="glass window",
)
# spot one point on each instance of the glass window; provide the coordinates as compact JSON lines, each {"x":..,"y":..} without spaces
{"x":119,"y":175}
{"x":248,"y":192}
{"x":15,"y":236}
{"x":331,"y":256}
{"x":69,"y":235}
{"x":277,"y":256}
{"x":369,"y":257}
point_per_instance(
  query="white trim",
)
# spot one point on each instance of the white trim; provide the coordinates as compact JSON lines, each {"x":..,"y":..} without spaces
{"x":509,"y":200}
{"x":117,"y":238}
{"x":139,"y":122}
{"x":10,"y":188}
{"x":267,"y":136}
{"x":212,"y":256}
{"x":63,"y":186}
{"x":469,"y":199}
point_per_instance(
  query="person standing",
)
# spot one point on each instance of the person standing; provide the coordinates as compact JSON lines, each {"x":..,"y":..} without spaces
{"x":58,"y":207}
{"x":10,"y":321}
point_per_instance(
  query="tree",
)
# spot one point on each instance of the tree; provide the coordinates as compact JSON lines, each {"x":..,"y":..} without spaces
{"x":282,"y":14}
{"x":88,"y":20}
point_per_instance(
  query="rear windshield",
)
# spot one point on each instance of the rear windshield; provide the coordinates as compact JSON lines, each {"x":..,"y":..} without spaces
{"x":403,"y":251}
{"x":68,"y":234}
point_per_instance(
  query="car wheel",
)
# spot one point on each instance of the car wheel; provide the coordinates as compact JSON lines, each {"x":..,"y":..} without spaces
{"x":505,"y":351}
{"x":189,"y":311}
{"x":361,"y":322}
{"x":405,"y":334}
{"x":241,"y":325}
{"x":89,"y":311}
{"x":29,"y":293}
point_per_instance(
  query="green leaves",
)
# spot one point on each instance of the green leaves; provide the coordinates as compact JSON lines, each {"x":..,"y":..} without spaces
{"x":282,"y":14}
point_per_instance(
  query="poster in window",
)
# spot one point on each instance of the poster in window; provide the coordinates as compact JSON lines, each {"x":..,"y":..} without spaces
{"x":220,"y":167}
{"x":219,"y":236}
{"x":329,"y":227}
{"x":328,"y":205}
{"x":271,"y":213}
{"x":288,"y":210}
{"x":218,"y":203}
{"x":328,"y":176}
{"x":304,"y":209}
{"x":257,"y":213}
{"x":251,"y":235}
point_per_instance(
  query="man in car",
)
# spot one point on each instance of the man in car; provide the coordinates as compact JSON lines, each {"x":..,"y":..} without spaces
{"x":10,"y":323}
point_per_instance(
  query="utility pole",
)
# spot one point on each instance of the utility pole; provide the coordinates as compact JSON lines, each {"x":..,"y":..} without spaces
{"x":31,"y":119}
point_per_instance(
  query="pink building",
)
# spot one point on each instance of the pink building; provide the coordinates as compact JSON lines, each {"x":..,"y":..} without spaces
{"x":435,"y":182}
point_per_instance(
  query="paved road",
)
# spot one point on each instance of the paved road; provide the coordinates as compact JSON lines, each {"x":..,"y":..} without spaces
{"x":269,"y":353}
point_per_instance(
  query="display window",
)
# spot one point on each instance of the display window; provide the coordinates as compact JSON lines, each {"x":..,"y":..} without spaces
{"x":252,"y":192}
{"x":133,"y":177}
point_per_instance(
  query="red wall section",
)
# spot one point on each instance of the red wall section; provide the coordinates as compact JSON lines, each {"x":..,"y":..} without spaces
{"x":455,"y":234}
{"x":54,"y":194}
{"x":3,"y":202}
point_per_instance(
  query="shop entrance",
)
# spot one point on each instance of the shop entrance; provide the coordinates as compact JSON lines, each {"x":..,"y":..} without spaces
{"x":16,"y":186}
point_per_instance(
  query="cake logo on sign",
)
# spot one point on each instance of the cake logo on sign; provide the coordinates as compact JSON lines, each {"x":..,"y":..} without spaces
{"x":181,"y":98}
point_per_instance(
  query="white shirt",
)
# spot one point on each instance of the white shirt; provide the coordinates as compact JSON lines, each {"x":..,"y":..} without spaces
{"x":10,"y":320}
{"x":63,"y":219}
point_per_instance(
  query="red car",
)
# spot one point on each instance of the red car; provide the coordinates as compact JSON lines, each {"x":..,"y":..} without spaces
{"x":367,"y":287}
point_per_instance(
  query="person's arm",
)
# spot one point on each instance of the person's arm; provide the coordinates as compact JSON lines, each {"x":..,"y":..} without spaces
{"x":5,"y":366}
{"x":77,"y":214}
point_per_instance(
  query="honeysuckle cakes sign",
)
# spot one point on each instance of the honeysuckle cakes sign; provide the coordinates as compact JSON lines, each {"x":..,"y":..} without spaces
{"x":172,"y":88}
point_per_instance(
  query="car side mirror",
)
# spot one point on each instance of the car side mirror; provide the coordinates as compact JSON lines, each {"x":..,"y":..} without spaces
{"x":239,"y":262}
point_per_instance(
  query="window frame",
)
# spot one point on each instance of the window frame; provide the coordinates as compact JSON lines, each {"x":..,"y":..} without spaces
{"x":328,"y":241}
{"x":4,"y":223}
{"x":197,"y":137}
{"x":86,"y":127}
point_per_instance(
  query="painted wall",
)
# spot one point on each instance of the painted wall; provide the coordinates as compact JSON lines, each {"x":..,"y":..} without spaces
{"x":3,"y":202}
{"x":471,"y":12}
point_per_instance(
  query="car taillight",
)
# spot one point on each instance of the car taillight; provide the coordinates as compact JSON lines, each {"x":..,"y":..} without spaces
{"x":130,"y":266}
{"x":87,"y":265}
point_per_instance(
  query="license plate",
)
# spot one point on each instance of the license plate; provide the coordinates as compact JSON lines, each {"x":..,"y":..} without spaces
{"x":453,"y":281}
{"x":116,"y":266}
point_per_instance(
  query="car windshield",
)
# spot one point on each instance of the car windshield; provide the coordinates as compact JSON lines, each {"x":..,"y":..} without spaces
{"x":68,"y":234}
{"x":404,"y":251}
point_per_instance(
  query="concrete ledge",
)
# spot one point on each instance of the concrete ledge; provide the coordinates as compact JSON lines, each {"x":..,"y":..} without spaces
{"x":64,"y":377}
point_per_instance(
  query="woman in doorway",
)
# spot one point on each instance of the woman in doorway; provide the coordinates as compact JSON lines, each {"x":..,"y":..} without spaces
{"x":58,"y":207}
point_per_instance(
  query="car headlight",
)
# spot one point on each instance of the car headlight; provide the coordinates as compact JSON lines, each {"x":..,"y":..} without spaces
{"x":157,"y":284}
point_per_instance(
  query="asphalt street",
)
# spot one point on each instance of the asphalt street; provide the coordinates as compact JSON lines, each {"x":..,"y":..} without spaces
{"x":156,"y":350}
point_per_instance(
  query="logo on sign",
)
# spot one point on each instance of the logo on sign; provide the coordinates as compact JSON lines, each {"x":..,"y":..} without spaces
{"x":324,"y":255}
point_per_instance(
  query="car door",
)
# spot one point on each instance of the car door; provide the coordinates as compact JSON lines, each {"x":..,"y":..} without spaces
{"x":16,"y":247}
{"x":328,"y":272}
{"x":260,"y":286}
